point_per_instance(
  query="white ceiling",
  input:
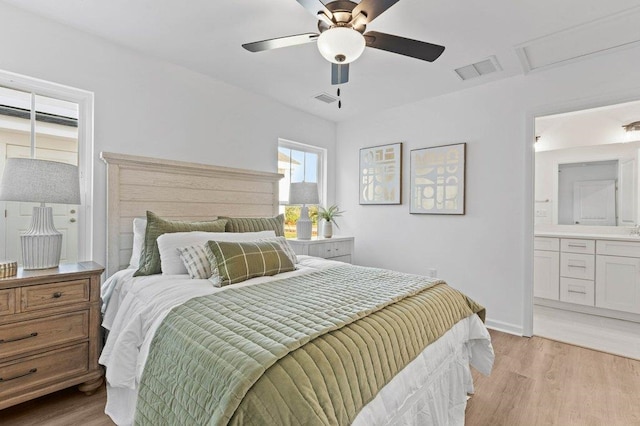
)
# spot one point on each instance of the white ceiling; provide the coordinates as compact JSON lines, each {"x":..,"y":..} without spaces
{"x":206,"y":36}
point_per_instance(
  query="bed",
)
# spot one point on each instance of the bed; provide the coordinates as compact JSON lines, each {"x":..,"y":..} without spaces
{"x":150,"y":323}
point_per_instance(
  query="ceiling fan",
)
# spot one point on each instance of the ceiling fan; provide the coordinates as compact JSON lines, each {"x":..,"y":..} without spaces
{"x":342,"y":38}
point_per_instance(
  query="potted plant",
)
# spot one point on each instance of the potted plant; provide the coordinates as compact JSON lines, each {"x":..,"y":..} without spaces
{"x":328,"y":219}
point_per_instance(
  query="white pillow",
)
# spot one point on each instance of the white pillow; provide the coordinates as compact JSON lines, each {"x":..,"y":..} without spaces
{"x":139,"y":230}
{"x":169,"y":243}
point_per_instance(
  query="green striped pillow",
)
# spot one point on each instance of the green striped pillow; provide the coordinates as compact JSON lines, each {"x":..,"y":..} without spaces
{"x":156,"y":226}
{"x":255,"y":224}
{"x":237,"y":262}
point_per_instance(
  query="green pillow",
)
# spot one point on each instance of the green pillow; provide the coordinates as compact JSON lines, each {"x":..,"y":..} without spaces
{"x":156,"y":226}
{"x":237,"y":262}
{"x":255,"y":224}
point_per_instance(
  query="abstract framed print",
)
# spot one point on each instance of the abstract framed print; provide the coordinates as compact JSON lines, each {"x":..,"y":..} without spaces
{"x":381,"y":174}
{"x":438,"y":179}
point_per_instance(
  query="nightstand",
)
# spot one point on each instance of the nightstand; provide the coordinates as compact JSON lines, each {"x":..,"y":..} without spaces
{"x":50,"y":336}
{"x":336,"y":248}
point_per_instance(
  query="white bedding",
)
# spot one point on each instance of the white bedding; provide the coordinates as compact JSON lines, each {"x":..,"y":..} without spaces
{"x":430,"y":390}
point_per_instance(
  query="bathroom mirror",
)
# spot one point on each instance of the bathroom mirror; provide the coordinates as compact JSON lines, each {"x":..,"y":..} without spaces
{"x":587,"y":167}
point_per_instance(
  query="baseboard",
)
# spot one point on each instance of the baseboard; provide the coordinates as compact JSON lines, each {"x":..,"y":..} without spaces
{"x":504,"y":327}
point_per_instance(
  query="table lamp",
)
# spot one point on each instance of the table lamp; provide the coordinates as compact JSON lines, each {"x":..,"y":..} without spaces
{"x":303,"y":193}
{"x":40,"y":181}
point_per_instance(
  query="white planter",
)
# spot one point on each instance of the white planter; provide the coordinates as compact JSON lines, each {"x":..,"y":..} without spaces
{"x":327,"y":229}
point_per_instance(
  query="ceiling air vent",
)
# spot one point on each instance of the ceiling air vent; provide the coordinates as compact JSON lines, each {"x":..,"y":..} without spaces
{"x":478,"y":69}
{"x":327,"y":99}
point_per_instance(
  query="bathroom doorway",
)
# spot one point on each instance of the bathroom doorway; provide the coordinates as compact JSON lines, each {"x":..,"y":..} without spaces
{"x":586,"y":263}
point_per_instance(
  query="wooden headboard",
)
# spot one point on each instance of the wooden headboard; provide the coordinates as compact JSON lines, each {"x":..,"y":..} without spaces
{"x":178,"y":190}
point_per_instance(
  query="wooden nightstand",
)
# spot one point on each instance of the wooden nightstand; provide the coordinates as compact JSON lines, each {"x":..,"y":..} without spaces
{"x":50,"y":335}
{"x":336,"y":248}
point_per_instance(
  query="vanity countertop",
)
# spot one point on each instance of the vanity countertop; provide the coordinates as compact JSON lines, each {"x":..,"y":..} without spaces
{"x":591,"y":236}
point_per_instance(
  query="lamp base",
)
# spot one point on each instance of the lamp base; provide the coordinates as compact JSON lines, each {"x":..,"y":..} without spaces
{"x":42,"y":242}
{"x":304,"y":225}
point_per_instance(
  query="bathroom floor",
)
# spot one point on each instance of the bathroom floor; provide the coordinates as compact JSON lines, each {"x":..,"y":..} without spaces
{"x":604,"y":334}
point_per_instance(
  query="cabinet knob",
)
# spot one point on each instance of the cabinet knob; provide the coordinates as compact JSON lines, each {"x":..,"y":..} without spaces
{"x":72,"y":220}
{"x":57,"y":295}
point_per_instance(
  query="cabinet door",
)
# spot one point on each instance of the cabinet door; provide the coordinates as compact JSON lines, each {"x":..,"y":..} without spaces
{"x":618,"y":283}
{"x":546,"y":274}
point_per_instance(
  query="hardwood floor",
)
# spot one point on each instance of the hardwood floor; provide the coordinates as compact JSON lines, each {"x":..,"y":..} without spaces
{"x":67,"y":407}
{"x":538,"y":381}
{"x":534,"y":382}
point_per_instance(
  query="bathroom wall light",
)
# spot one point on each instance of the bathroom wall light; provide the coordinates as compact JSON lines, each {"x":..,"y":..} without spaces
{"x":632,"y":127}
{"x":632,"y":131}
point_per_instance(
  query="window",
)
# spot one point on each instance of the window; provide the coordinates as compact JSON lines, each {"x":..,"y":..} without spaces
{"x":300,"y":163}
{"x":50,"y":122}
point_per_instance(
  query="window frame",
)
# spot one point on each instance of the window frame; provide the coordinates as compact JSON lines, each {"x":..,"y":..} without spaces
{"x":85,"y":101}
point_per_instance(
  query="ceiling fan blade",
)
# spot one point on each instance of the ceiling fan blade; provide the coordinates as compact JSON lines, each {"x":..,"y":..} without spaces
{"x":275,"y":43}
{"x":403,"y":46}
{"x":370,"y":10}
{"x":339,"y":73}
{"x":315,"y":7}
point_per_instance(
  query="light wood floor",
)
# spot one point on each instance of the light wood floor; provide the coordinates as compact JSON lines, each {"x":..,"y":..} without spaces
{"x":538,"y":381}
{"x":534,"y":382}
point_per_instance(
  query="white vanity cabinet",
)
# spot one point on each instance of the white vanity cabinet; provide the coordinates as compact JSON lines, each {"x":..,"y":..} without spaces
{"x":618,"y":276}
{"x":589,"y":274}
{"x":546,"y":268}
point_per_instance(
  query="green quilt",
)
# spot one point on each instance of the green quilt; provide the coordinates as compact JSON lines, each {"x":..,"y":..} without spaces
{"x":310,"y":349}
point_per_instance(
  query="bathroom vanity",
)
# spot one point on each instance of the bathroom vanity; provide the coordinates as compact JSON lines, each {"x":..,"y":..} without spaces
{"x":592,"y":273}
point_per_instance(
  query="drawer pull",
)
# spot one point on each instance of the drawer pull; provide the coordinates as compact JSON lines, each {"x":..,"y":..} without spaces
{"x":576,"y":291}
{"x":33,"y":370}
{"x":577,"y":266}
{"x":578,"y":245}
{"x":57,"y":295}
{"x":18,"y":338}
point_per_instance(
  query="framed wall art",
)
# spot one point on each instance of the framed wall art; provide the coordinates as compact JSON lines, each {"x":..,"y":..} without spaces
{"x":438,"y":179}
{"x":381,"y":174}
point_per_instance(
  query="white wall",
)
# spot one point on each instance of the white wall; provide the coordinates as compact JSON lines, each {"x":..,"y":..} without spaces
{"x":487,"y":253}
{"x":144,"y":106}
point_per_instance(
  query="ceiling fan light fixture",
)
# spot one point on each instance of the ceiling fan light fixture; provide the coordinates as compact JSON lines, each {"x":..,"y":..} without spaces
{"x":341,"y":45}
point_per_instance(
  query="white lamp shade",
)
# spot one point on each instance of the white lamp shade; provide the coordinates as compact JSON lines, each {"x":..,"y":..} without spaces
{"x":303,"y":193}
{"x":341,"y":45}
{"x":40,"y":181}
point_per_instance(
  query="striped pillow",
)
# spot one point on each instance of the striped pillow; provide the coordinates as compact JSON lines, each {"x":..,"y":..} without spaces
{"x":196,"y":261}
{"x":237,"y":262}
{"x":254,"y":224}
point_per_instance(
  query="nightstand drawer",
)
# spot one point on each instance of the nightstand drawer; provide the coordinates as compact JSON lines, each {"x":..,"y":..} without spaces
{"x":341,"y":248}
{"x":26,"y":373}
{"x":321,"y":250}
{"x":16,"y":339}
{"x":56,"y":294}
{"x":7,"y":302}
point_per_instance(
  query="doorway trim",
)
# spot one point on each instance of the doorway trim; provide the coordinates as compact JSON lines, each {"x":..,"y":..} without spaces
{"x":85,"y":100}
{"x":612,"y":98}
